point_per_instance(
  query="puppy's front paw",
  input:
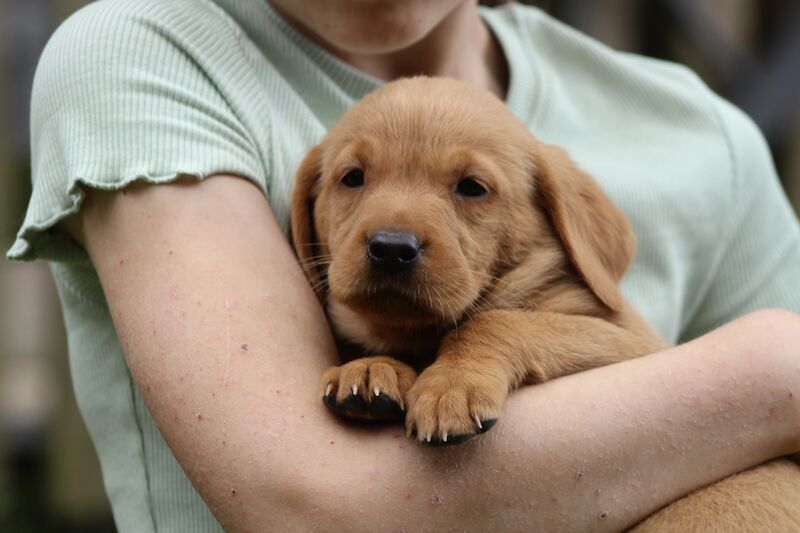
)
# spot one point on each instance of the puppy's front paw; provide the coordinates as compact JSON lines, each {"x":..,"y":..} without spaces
{"x":370,"y":389}
{"x":451,"y":402}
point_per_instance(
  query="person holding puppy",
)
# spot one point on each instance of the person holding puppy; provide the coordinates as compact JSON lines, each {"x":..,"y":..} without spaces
{"x":165,"y":138}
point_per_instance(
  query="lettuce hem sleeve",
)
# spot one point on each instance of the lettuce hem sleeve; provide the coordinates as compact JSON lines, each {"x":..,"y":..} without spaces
{"x":36,"y":238}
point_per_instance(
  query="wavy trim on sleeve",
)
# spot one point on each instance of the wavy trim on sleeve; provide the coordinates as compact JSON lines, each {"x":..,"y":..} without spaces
{"x":134,"y":91}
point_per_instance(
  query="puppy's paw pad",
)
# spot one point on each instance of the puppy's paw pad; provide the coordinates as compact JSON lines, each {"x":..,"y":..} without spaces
{"x":371,"y":389}
{"x":450,"y":440}
{"x":485,"y":425}
{"x":384,"y":407}
{"x":355,"y":404}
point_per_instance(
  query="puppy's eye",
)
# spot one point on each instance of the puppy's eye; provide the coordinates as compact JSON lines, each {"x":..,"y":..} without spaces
{"x":470,"y":187}
{"x":354,"y":178}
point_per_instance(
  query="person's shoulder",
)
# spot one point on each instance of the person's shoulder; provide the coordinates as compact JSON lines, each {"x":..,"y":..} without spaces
{"x":136,"y":89}
{"x":126,"y":25}
{"x":115,"y":49}
{"x":107,"y":33}
{"x":594,"y":87}
{"x":580,"y":64}
{"x":104,"y":17}
{"x":548,"y":37}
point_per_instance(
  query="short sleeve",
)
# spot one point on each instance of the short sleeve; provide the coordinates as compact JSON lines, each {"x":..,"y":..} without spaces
{"x":125,"y":91}
{"x":758,"y":264}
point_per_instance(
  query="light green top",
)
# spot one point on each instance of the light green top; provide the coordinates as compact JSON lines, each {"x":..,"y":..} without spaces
{"x":151,"y":89}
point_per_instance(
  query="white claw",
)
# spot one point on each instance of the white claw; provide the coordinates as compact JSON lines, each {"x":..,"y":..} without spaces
{"x":376,"y":392}
{"x":428,"y":438}
{"x":478,"y":421}
{"x":402,"y":406}
{"x":355,"y":390}
{"x":328,"y":389}
{"x":444,"y":437}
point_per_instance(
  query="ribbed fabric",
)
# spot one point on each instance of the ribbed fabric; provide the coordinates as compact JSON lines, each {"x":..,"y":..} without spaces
{"x":153,"y":89}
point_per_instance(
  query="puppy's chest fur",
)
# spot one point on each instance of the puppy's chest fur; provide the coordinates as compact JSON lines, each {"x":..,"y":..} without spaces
{"x":357,"y":337}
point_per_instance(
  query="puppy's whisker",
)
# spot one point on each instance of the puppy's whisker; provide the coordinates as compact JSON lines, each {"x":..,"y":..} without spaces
{"x":450,"y":310}
{"x":315,"y":264}
{"x":316,"y":259}
{"x":319,"y":285}
{"x":430,"y":298}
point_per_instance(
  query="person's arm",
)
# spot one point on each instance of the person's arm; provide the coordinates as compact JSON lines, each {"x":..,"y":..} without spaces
{"x":226,"y":342}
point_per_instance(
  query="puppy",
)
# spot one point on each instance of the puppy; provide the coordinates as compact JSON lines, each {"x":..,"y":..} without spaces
{"x":457,"y":258}
{"x":443,"y":238}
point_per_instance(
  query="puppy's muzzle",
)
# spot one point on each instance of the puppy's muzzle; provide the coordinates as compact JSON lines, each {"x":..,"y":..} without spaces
{"x":393,"y":252}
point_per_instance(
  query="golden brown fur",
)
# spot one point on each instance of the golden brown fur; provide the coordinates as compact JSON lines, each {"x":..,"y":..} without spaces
{"x":513,"y":280}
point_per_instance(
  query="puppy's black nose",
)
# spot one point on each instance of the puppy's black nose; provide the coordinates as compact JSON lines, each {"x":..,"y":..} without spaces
{"x":393,"y":252}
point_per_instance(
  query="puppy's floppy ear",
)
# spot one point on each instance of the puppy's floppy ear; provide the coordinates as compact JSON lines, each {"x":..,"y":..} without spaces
{"x":304,"y":236}
{"x":596,"y":235}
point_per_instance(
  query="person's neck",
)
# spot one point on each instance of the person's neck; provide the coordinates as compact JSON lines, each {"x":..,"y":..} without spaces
{"x":461,"y":47}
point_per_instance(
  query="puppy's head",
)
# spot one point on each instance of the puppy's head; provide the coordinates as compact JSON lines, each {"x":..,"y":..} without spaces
{"x":429,"y":189}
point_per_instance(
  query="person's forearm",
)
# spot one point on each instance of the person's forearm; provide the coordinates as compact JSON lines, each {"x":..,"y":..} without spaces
{"x":226,"y":343}
{"x":594,"y":451}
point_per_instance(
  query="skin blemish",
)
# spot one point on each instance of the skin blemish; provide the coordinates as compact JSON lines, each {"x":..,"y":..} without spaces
{"x":332,"y":442}
{"x":436,"y":500}
{"x":233,"y":492}
{"x":243,"y":347}
{"x":229,"y":306}
{"x":579,"y":474}
{"x":199,"y":417}
{"x":603,"y":515}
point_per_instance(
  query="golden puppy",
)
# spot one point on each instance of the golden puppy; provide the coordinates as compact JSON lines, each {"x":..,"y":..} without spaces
{"x":457,"y":258}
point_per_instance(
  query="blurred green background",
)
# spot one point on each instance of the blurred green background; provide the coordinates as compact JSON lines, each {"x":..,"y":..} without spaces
{"x":747,"y":50}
